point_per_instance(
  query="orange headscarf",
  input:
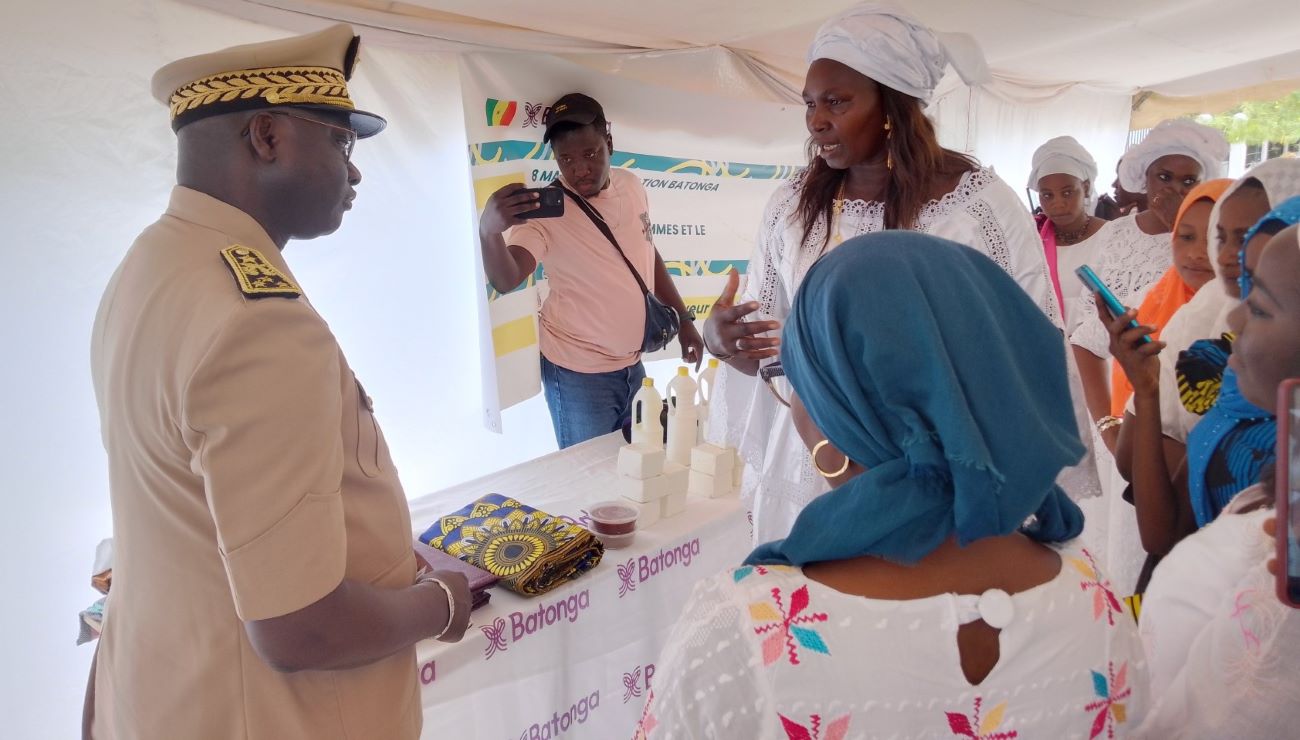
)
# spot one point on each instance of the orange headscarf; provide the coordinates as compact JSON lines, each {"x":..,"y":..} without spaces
{"x":1166,"y":296}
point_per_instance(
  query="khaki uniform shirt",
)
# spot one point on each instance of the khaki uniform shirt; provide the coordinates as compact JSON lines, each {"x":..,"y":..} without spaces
{"x":248,"y":479}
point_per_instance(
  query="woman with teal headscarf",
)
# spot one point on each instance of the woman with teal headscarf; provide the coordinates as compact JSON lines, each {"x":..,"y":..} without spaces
{"x":920,"y":596}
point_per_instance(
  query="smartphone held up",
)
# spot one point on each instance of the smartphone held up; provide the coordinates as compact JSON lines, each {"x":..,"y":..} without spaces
{"x":550,"y":203}
{"x":1094,"y":283}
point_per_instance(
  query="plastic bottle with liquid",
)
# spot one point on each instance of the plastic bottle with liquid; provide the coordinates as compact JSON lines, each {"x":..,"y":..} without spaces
{"x":683,"y":428}
{"x":647,"y":429}
{"x":704,"y":396}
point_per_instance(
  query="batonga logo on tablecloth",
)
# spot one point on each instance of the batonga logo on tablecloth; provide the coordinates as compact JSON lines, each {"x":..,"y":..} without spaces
{"x":640,"y":569}
{"x":633,"y":686}
{"x":577,"y":713}
{"x":501,"y":634}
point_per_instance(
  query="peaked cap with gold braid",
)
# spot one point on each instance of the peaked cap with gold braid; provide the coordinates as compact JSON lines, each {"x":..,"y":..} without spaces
{"x":310,"y":71}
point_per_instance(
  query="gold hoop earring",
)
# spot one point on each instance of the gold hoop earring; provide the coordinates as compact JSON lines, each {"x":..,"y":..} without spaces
{"x":889,"y":136}
{"x":818,"y":448}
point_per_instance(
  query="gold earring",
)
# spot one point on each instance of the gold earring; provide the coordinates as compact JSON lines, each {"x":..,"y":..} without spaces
{"x":818,"y":448}
{"x":889,"y":135}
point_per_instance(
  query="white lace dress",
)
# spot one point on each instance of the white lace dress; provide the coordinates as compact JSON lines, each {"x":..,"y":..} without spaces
{"x":1131,"y":261}
{"x":981,"y":212}
{"x":763,"y":653}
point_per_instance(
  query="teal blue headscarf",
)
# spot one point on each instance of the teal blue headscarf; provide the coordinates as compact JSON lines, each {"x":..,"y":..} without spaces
{"x":925,"y":362}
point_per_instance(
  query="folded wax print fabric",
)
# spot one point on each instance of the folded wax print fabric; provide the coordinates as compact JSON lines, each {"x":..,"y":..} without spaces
{"x":531,"y":551}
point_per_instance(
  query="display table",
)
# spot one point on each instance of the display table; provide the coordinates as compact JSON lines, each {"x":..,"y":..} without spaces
{"x":576,"y":662}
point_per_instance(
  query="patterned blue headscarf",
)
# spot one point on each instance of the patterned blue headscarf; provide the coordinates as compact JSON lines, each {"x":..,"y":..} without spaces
{"x":925,"y":362}
{"x":1233,"y":444}
{"x":1286,"y":214}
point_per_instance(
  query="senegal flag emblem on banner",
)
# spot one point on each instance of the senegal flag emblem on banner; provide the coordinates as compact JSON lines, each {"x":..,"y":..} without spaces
{"x":500,"y":112}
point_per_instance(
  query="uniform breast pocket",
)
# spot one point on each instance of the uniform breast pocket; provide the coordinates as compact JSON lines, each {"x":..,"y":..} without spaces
{"x":367,"y":437}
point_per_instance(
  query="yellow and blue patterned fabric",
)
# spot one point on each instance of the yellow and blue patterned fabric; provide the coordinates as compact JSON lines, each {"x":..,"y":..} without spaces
{"x":531,"y":551}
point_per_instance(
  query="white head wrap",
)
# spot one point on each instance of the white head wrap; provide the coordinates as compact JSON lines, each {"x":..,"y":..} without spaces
{"x":1062,"y":156}
{"x":1177,"y":136}
{"x":890,"y":46}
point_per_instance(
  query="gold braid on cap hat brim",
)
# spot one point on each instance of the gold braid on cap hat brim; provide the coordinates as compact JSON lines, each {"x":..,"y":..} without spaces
{"x":274,"y":85}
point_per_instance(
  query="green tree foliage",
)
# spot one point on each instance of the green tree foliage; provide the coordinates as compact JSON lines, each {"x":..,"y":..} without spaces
{"x":1259,"y":121}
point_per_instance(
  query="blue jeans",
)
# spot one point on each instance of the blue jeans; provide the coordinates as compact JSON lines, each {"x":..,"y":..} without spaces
{"x":587,"y":405}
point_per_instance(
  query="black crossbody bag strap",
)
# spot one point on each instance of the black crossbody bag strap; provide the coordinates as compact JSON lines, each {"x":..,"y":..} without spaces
{"x":604,"y":229}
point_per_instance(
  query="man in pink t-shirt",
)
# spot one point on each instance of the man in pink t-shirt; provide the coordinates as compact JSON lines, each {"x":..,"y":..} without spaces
{"x":593,"y":320}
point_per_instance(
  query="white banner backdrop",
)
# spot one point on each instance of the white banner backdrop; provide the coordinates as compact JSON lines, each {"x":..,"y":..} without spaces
{"x":709,"y":166}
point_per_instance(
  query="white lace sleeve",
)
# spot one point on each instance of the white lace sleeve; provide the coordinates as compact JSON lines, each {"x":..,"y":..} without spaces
{"x":763,"y":279}
{"x":1090,"y":333}
{"x":984,"y":213}
{"x":705,"y":684}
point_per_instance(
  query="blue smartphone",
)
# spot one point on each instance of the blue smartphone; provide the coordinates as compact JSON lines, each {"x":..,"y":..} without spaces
{"x":1095,"y":284}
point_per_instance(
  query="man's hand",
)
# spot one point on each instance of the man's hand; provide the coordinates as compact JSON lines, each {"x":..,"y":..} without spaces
{"x":460,"y":604}
{"x":692,"y":343}
{"x":504,"y":207}
{"x":728,"y":335}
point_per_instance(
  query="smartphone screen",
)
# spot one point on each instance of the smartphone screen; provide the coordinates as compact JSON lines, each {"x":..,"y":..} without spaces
{"x":1291,"y":469}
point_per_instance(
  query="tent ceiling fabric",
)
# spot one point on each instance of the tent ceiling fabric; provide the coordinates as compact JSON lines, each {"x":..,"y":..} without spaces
{"x":1032,"y":46}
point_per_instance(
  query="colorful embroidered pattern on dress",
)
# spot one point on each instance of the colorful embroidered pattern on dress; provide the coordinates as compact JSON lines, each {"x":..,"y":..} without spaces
{"x":837,"y":729}
{"x":782,"y":627}
{"x":648,"y":722}
{"x":1111,"y":689}
{"x":1103,"y":598}
{"x":977,"y":727}
{"x":1242,"y":608}
{"x":745,"y":571}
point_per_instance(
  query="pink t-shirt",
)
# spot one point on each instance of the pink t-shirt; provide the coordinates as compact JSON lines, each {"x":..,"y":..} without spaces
{"x":594,"y":318}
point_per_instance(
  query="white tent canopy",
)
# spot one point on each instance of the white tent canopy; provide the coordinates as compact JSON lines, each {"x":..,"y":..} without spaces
{"x":89,"y":160}
{"x":1175,"y":47}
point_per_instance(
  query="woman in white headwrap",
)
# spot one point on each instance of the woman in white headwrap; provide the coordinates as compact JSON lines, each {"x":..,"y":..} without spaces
{"x":1063,"y":174}
{"x":875,"y":163}
{"x":1174,"y":158}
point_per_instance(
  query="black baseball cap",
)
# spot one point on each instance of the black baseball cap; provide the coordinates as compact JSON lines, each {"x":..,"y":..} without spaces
{"x":575,"y":108}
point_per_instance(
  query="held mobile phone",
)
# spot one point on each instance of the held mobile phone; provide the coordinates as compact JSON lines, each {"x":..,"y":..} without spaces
{"x":1095,"y":284}
{"x":1288,"y":492}
{"x":550,"y":203}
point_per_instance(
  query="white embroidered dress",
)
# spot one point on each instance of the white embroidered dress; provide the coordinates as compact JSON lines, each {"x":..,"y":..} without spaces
{"x":1222,"y":648}
{"x":763,"y":653}
{"x":1131,"y":261}
{"x":981,"y":212}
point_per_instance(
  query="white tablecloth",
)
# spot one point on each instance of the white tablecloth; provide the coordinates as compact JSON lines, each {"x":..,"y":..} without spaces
{"x":575,"y":663}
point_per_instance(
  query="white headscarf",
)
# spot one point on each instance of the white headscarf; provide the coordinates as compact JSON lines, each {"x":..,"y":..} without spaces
{"x":1176,"y":136}
{"x":1281,"y":180}
{"x":1062,"y":156}
{"x":889,"y":45}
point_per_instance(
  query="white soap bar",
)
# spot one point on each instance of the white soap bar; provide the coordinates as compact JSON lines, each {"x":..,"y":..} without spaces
{"x":709,"y":486}
{"x":673,"y":504}
{"x":678,"y":478}
{"x":639,"y":461}
{"x":647,"y":514}
{"x":713,"y":460}
{"x":650,"y":489}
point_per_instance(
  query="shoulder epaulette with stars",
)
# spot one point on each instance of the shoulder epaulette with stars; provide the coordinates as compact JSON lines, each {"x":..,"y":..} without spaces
{"x":256,"y":276}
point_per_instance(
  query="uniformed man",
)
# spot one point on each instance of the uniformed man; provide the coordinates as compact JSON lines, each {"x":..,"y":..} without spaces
{"x":264,"y":582}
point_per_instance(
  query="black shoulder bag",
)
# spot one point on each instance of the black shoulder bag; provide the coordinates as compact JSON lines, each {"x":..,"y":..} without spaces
{"x":661,"y":322}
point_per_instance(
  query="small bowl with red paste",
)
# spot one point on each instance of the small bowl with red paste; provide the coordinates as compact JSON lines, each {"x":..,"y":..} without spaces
{"x":614,"y":523}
